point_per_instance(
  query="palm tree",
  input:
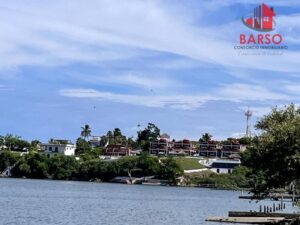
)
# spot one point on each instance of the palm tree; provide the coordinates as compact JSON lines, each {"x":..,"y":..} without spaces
{"x":205,"y":137}
{"x":86,"y":132}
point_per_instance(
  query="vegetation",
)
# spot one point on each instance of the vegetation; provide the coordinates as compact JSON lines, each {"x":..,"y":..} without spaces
{"x":150,"y":133}
{"x":14,"y":143}
{"x":274,"y":155}
{"x":189,"y":163}
{"x":35,"y":165}
{"x":205,"y":138}
{"x":8,"y":158}
{"x":236,"y":179}
{"x":86,"y":131}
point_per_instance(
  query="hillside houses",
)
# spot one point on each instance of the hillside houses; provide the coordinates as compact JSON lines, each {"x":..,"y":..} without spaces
{"x":211,"y":149}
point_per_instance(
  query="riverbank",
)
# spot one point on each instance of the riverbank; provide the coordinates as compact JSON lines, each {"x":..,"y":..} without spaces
{"x":162,"y":171}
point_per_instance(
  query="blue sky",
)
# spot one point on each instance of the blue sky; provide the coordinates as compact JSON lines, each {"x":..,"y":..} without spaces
{"x":116,"y":63}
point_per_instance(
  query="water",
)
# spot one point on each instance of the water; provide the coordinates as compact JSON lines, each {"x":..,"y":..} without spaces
{"x":39,"y":202}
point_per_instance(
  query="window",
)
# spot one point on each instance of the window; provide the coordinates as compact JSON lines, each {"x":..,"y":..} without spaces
{"x":50,"y":149}
{"x":266,"y":19}
{"x":56,"y":149}
{"x":218,"y":170}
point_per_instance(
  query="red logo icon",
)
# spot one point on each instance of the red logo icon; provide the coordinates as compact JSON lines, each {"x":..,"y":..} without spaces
{"x":262,"y":19}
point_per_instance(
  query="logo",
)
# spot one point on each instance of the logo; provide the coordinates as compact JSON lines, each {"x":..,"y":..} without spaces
{"x":262,"y":19}
{"x":260,"y":36}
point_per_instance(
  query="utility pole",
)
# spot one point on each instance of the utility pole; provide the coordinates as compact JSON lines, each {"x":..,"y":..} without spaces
{"x":248,"y":115}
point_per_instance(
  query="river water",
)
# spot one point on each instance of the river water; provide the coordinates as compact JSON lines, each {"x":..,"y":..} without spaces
{"x":39,"y":202}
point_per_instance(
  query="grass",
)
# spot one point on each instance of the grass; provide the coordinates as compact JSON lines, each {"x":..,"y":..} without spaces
{"x":189,"y":163}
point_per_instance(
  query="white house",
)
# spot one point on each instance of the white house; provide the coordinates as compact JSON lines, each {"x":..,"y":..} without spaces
{"x":55,"y":147}
{"x":220,"y":165}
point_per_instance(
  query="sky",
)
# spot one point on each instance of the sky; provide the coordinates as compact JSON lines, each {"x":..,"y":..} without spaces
{"x":124,"y":63}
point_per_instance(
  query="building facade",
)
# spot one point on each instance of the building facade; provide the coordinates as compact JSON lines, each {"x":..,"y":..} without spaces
{"x":117,"y":150}
{"x":55,"y":147}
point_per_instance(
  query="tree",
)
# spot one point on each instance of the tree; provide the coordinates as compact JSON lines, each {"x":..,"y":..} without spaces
{"x":63,"y":167}
{"x":86,"y":132}
{"x":274,"y":155}
{"x":205,"y":138}
{"x":82,"y":146}
{"x":15,"y":143}
{"x":150,"y":133}
{"x":119,"y":138}
{"x":170,"y":170}
{"x":8,"y":158}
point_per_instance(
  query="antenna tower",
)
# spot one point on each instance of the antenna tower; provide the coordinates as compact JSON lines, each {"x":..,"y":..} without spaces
{"x":248,"y":115}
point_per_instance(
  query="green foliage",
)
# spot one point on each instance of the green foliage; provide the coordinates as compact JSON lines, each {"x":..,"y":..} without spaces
{"x":32,"y":166}
{"x":205,"y":138}
{"x":189,"y":163}
{"x":91,"y":154}
{"x":8,"y":158}
{"x":274,"y":156}
{"x":150,"y":133}
{"x":14,"y":143}
{"x":63,"y":167}
{"x":236,"y":179}
{"x":170,"y":169}
{"x":82,"y":146}
{"x":86,"y":131}
{"x":149,"y":165}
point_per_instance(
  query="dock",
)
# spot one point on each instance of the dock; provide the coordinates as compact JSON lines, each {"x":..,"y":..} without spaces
{"x":248,"y":220}
{"x":258,"y":218}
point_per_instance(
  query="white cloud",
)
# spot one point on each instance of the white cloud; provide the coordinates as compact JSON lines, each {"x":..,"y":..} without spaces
{"x":295,"y":88}
{"x":237,"y":92}
{"x":234,"y":92}
{"x":133,"y":79}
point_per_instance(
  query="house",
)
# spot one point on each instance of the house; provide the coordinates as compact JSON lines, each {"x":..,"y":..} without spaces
{"x":229,"y":149}
{"x":97,"y":141}
{"x":117,"y":150}
{"x":183,"y":147}
{"x":209,"y":149}
{"x":54,"y":147}
{"x":262,"y":18}
{"x":160,"y":146}
{"x":221,"y":165}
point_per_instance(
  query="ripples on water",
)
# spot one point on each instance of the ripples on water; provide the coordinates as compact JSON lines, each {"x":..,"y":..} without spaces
{"x":39,"y":202}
